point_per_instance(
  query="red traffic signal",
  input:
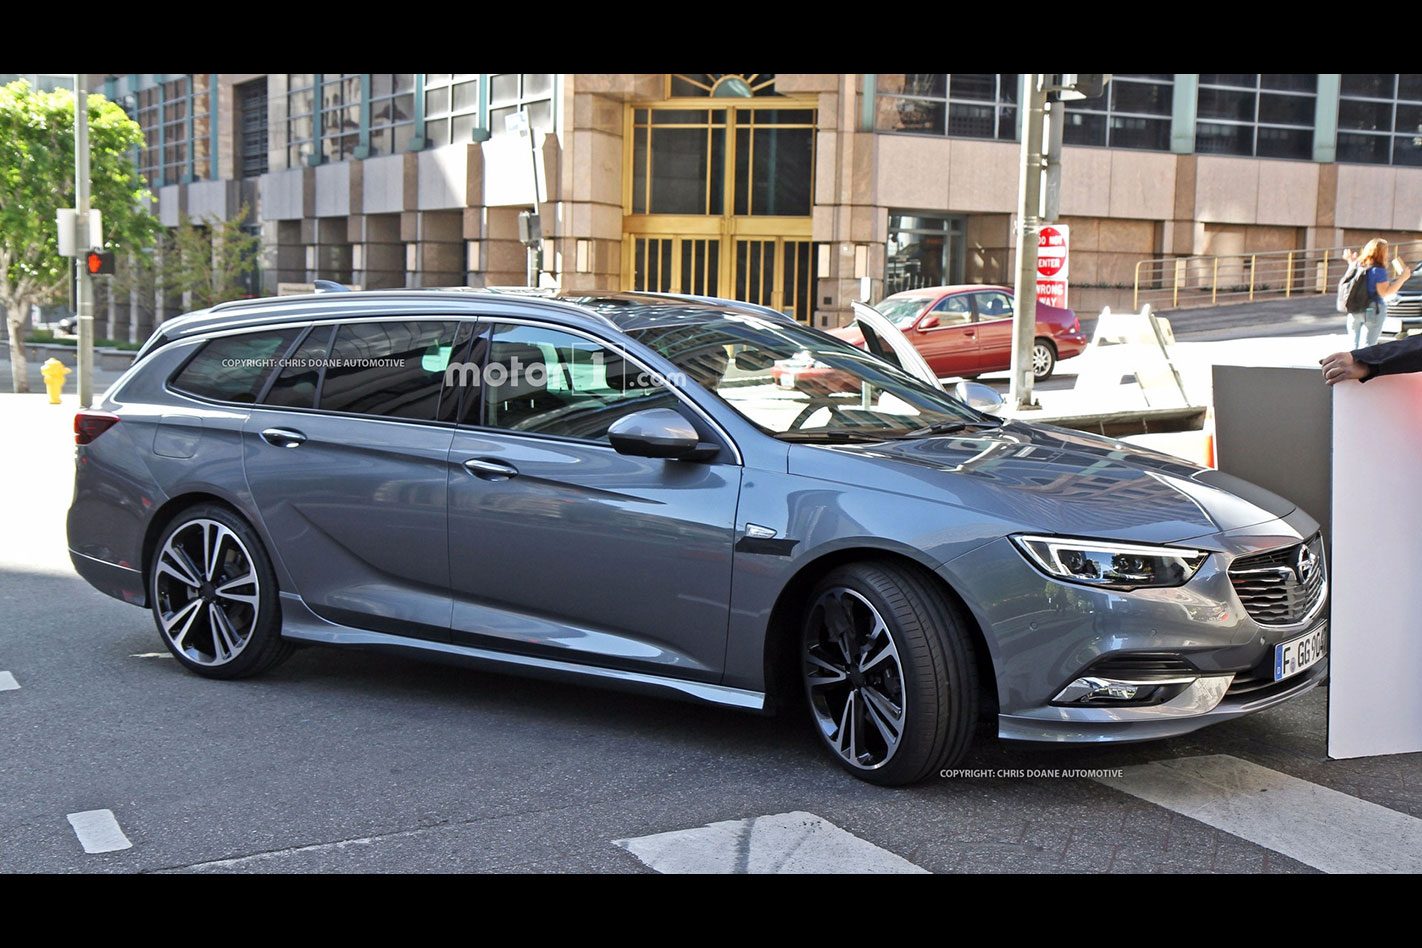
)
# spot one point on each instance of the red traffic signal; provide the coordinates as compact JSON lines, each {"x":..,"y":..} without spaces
{"x":100,"y":263}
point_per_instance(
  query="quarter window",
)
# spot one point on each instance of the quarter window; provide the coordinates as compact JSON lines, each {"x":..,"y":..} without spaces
{"x":234,"y":368}
{"x":393,"y":369}
{"x":544,"y":381}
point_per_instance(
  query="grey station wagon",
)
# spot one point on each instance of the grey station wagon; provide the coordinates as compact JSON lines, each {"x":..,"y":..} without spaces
{"x":681,"y":497}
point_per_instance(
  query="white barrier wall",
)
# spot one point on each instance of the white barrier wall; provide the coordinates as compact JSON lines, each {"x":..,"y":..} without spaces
{"x":1375,"y":690}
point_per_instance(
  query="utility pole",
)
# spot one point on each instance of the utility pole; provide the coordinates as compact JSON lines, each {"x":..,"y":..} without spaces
{"x":1029,"y":210}
{"x":84,"y":285}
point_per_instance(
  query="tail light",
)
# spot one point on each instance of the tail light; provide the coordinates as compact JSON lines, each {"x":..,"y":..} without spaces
{"x":89,"y":424}
{"x":1075,"y":323}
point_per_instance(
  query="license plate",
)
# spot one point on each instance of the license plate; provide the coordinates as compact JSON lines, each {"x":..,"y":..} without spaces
{"x":1299,"y":654}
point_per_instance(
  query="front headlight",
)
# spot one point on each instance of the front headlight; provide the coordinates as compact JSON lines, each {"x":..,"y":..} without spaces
{"x":1111,"y":565}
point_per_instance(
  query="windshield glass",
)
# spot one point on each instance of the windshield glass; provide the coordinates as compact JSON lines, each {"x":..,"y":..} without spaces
{"x":801,"y":384}
{"x":903,"y":311}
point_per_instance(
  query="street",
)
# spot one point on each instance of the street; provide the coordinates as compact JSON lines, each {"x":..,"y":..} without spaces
{"x":348,"y":761}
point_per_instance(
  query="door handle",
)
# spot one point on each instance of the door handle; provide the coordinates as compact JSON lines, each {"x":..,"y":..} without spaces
{"x":970,"y":334}
{"x":283,"y":437}
{"x":490,"y":470}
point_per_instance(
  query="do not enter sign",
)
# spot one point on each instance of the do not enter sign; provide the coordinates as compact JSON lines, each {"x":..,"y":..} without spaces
{"x":1052,"y":246}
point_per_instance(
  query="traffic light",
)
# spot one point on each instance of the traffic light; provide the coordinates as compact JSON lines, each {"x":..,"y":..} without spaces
{"x":99,"y":262}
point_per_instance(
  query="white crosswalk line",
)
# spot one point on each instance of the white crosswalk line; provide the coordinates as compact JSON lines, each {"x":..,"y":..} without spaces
{"x":783,"y":843}
{"x":8,"y":682}
{"x":1323,"y":828}
{"x":98,"y":831}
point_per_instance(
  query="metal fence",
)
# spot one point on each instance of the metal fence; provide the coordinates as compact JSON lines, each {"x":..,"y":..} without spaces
{"x":1181,"y":282}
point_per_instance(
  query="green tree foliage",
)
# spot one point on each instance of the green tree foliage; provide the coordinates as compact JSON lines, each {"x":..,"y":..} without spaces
{"x":37,"y":178}
{"x":210,"y":260}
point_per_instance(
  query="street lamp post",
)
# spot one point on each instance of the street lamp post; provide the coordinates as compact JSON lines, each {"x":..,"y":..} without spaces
{"x":84,"y":284}
{"x":1029,"y":209}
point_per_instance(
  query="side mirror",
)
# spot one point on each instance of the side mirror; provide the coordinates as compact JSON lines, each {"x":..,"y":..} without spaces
{"x":977,"y":395}
{"x":656,"y":433}
{"x":928,"y":322}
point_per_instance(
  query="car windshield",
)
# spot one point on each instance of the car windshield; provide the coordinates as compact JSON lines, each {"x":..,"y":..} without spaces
{"x":800,"y":384}
{"x":903,"y":311}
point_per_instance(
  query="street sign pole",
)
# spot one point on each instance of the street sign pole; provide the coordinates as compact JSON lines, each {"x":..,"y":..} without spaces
{"x":84,"y":285}
{"x":1029,"y":208}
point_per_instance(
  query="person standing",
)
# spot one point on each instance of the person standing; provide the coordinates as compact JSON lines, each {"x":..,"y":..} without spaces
{"x":1365,"y":327}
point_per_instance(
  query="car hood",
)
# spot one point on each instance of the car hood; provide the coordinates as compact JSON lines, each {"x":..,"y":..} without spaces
{"x":1053,"y":480}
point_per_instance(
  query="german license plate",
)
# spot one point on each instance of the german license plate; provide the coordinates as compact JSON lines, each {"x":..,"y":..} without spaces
{"x":1299,"y":654}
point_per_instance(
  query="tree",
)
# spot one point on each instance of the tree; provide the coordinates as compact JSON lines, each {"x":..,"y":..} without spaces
{"x":37,"y":178}
{"x":209,"y":261}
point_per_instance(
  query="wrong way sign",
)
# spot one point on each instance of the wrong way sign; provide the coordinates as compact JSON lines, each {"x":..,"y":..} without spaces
{"x":1053,"y":246}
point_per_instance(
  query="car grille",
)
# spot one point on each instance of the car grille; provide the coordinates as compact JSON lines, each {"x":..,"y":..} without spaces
{"x":1269,"y":585}
{"x":1406,"y":307}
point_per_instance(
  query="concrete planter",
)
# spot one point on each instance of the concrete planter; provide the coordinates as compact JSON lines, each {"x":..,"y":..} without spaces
{"x":115,"y":360}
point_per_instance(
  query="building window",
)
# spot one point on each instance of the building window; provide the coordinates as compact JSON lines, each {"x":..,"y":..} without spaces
{"x":300,"y":112}
{"x":924,"y":250}
{"x":175,"y":117}
{"x":340,"y":116}
{"x":392,"y":112}
{"x":1134,"y":113}
{"x":721,"y":85}
{"x":1380,"y":119}
{"x":1266,"y":116}
{"x":148,"y":113}
{"x":252,"y":128}
{"x":513,"y":92}
{"x":451,"y":107}
{"x":964,"y":105}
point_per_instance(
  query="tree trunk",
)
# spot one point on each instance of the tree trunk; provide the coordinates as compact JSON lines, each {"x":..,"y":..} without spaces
{"x":16,"y":317}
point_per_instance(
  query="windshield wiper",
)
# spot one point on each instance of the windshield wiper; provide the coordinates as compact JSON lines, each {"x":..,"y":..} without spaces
{"x":835,"y":436}
{"x":949,"y":427}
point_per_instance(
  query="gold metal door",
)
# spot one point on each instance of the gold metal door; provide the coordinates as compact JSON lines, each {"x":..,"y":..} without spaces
{"x":717,"y":200}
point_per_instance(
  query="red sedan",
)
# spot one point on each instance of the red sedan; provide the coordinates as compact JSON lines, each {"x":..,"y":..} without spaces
{"x":966,"y":330}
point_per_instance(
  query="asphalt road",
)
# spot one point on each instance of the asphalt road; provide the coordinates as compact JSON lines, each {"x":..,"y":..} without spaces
{"x":346,"y":761}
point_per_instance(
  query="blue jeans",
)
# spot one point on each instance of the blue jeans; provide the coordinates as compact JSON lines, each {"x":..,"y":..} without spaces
{"x":1366,"y":327}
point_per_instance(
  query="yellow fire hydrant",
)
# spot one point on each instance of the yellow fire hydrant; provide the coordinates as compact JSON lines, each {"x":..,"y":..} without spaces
{"x":54,"y":372}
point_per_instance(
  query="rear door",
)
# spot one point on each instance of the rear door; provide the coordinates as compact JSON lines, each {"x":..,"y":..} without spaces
{"x":994,"y":326}
{"x":345,"y":459}
{"x":947,"y":337}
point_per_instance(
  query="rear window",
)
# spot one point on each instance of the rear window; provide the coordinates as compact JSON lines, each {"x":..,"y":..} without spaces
{"x":234,"y":368}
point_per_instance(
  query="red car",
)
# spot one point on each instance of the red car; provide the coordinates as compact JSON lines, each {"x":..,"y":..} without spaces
{"x":965,"y":331}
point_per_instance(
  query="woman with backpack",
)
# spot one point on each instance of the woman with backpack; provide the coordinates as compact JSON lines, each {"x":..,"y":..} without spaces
{"x":1370,"y":269}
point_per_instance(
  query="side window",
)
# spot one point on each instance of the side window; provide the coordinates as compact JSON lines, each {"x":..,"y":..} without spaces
{"x":234,"y":368}
{"x":393,"y":369}
{"x":295,"y":387}
{"x":954,"y":310}
{"x":551,"y":382}
{"x":993,"y":305}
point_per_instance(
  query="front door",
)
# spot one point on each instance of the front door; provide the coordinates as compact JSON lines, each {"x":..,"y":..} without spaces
{"x":559,"y":546}
{"x":947,"y":338}
{"x":718,"y":202}
{"x":345,"y":460}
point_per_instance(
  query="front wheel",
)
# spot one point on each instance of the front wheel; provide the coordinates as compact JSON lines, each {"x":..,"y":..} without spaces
{"x":889,"y":671}
{"x":1044,"y":359}
{"x":214,"y":595}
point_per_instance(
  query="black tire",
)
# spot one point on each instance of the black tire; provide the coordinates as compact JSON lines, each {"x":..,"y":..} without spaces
{"x":938,"y":680}
{"x":1044,"y":359}
{"x":254,"y":622}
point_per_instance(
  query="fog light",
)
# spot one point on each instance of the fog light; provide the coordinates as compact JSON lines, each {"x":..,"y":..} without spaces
{"x":1093,"y":690}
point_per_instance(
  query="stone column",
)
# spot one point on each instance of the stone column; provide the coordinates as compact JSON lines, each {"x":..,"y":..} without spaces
{"x":434,"y":252}
{"x":377,"y":253}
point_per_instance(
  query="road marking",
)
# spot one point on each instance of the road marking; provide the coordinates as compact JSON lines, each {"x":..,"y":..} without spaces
{"x":98,"y":831}
{"x":1323,"y":828}
{"x":783,"y":843}
{"x":8,"y":682}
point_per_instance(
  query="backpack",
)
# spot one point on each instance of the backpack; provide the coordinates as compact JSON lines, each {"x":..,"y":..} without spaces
{"x":1353,"y":290}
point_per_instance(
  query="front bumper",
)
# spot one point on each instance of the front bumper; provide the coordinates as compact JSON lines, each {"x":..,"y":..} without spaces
{"x":1043,"y":634}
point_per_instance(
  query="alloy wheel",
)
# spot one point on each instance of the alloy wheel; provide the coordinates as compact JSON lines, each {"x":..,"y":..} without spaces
{"x":1041,"y":359}
{"x":854,"y":679}
{"x":207,"y":591}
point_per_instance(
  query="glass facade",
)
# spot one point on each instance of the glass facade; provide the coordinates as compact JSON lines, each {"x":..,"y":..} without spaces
{"x":176,"y":119}
{"x":513,"y":92}
{"x":1380,"y":119}
{"x":300,"y":117}
{"x":340,"y":116}
{"x":1260,"y":115}
{"x":924,"y":250}
{"x":1134,"y":113}
{"x":451,"y":107}
{"x":963,"y":105}
{"x":392,"y":112}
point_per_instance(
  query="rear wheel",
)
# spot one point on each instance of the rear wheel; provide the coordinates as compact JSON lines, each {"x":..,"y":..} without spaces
{"x":214,"y":595}
{"x":1044,"y":359}
{"x":889,"y":672}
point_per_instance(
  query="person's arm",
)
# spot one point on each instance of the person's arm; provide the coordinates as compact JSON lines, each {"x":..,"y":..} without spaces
{"x":1385,"y":358}
{"x":1384,"y":290}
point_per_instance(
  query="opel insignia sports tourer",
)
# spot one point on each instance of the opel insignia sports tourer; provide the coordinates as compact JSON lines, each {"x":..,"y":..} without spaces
{"x":681,"y":497}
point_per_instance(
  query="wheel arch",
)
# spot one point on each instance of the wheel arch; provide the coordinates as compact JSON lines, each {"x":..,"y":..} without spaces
{"x":171,"y":508}
{"x":783,"y":628}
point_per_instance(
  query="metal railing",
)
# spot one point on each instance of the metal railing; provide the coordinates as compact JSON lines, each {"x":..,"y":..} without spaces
{"x":1181,"y":282}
